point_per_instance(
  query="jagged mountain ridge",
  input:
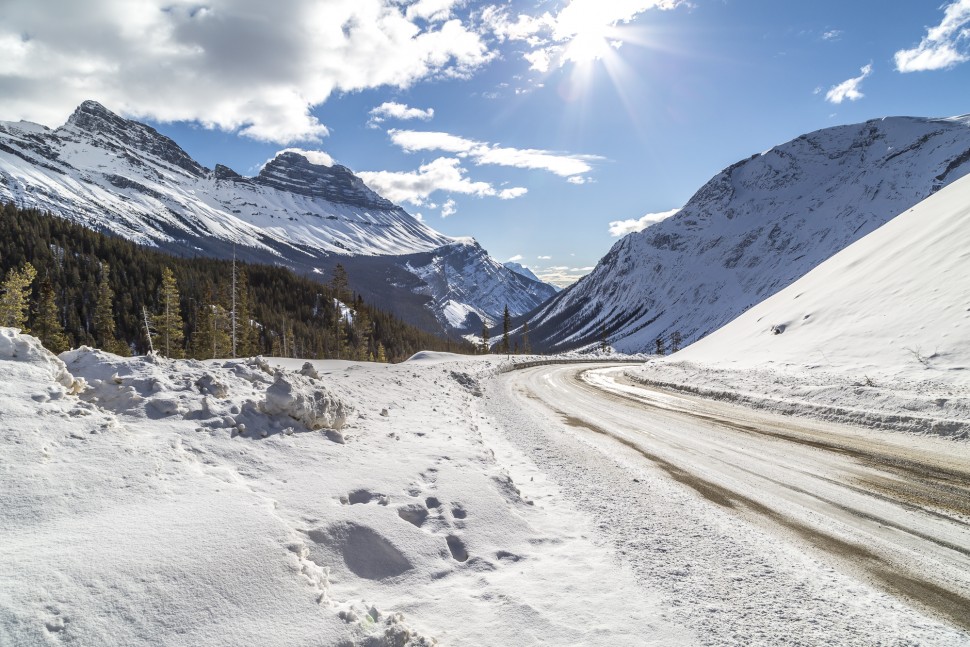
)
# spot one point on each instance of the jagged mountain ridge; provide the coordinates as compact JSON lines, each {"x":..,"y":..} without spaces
{"x":753,"y":229}
{"x":124,"y":177}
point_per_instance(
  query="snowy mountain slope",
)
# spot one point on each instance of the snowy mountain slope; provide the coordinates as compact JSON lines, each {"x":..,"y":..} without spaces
{"x":124,"y":177}
{"x":878,"y":335}
{"x":891,"y":304}
{"x":753,"y":229}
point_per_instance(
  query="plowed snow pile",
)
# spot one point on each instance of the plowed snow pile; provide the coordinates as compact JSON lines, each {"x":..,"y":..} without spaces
{"x":878,"y":335}
{"x":149,"y":501}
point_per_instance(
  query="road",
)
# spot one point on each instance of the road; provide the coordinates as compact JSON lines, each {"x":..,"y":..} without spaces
{"x":886,"y":511}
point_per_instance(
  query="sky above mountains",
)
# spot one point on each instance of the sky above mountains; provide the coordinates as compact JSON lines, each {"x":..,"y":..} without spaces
{"x":543,"y":128}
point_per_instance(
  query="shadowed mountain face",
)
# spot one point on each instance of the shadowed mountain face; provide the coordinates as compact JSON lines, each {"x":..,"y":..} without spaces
{"x":753,"y":229}
{"x":124,"y":177}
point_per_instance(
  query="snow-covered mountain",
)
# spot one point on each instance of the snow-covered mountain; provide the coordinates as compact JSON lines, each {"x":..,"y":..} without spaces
{"x":753,"y":229}
{"x":891,"y":305}
{"x":124,"y":177}
{"x":518,"y":268}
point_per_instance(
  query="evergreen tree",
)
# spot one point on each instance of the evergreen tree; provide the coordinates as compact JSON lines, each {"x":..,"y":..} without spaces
{"x":381,"y":353}
{"x":675,"y":341}
{"x":339,"y":283}
{"x":363,"y":329}
{"x":169,"y":337}
{"x":604,"y":341}
{"x":506,"y":324}
{"x":47,"y":325}
{"x":104,"y":316}
{"x":485,"y":348}
{"x":246,"y":342}
{"x":15,"y":297}
{"x":660,"y":346}
{"x":526,"y":349}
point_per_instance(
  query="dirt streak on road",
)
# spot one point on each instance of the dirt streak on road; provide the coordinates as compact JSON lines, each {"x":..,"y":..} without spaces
{"x":911,"y":481}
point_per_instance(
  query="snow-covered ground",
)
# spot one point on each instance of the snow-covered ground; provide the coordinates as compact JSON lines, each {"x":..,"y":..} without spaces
{"x":160,"y":502}
{"x":878,"y":335}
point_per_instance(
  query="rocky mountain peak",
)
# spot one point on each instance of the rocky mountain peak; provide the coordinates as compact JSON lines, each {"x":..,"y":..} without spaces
{"x":98,"y":123}
{"x":291,"y":171}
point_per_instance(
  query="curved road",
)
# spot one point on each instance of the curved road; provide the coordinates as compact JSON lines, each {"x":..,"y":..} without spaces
{"x":885,"y":508}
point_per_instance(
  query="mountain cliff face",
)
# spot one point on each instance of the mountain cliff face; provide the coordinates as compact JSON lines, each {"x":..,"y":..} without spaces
{"x":753,"y":229}
{"x":126,"y":178}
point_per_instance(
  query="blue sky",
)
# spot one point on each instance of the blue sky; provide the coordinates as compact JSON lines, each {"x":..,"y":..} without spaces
{"x":531,"y":126}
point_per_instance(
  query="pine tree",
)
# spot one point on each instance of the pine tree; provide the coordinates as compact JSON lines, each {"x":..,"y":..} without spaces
{"x":233,"y":319}
{"x":660,"y":346}
{"x":15,"y":297}
{"x":104,"y":316}
{"x":485,"y":348}
{"x":675,"y":341}
{"x":506,"y":324}
{"x":381,"y":353}
{"x":246,"y":343}
{"x":339,"y":283}
{"x":47,"y":324}
{"x":526,"y":349}
{"x":169,"y":337}
{"x":363,"y":329}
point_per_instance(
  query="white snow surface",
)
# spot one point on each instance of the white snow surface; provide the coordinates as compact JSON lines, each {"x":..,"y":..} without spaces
{"x":277,"y":501}
{"x":753,"y":229}
{"x":217,"y":503}
{"x":877,"y":335}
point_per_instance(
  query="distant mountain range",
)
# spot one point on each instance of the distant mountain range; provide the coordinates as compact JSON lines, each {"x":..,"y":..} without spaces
{"x":124,"y":177}
{"x":752,"y":230}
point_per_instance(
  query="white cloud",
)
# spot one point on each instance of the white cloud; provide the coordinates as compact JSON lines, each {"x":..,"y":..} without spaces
{"x":848,"y":89}
{"x":513,"y":193}
{"x":544,"y":258}
{"x":442,"y":174}
{"x":943,"y":46}
{"x":624,"y":227}
{"x":832,"y":34}
{"x":431,"y":10}
{"x":448,"y":208}
{"x":244,"y":66}
{"x":562,"y":164}
{"x":400,"y":111}
{"x":515,"y":259}
{"x":583,"y":30}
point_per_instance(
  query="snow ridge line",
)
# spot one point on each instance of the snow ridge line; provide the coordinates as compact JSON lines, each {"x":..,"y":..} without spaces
{"x":953,"y":429}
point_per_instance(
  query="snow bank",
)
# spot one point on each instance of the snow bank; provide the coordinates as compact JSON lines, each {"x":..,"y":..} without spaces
{"x":25,"y":348}
{"x":242,"y":396}
{"x":923,"y":407}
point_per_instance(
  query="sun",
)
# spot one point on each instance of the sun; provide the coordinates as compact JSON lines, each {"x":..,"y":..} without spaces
{"x":592,"y":42}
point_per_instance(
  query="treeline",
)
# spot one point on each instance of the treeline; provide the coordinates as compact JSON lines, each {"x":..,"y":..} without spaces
{"x":104,"y":291}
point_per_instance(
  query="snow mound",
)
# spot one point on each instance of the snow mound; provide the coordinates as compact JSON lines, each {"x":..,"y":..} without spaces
{"x":299,"y":397}
{"x":432,"y":357}
{"x":24,"y":348}
{"x":245,"y":397}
